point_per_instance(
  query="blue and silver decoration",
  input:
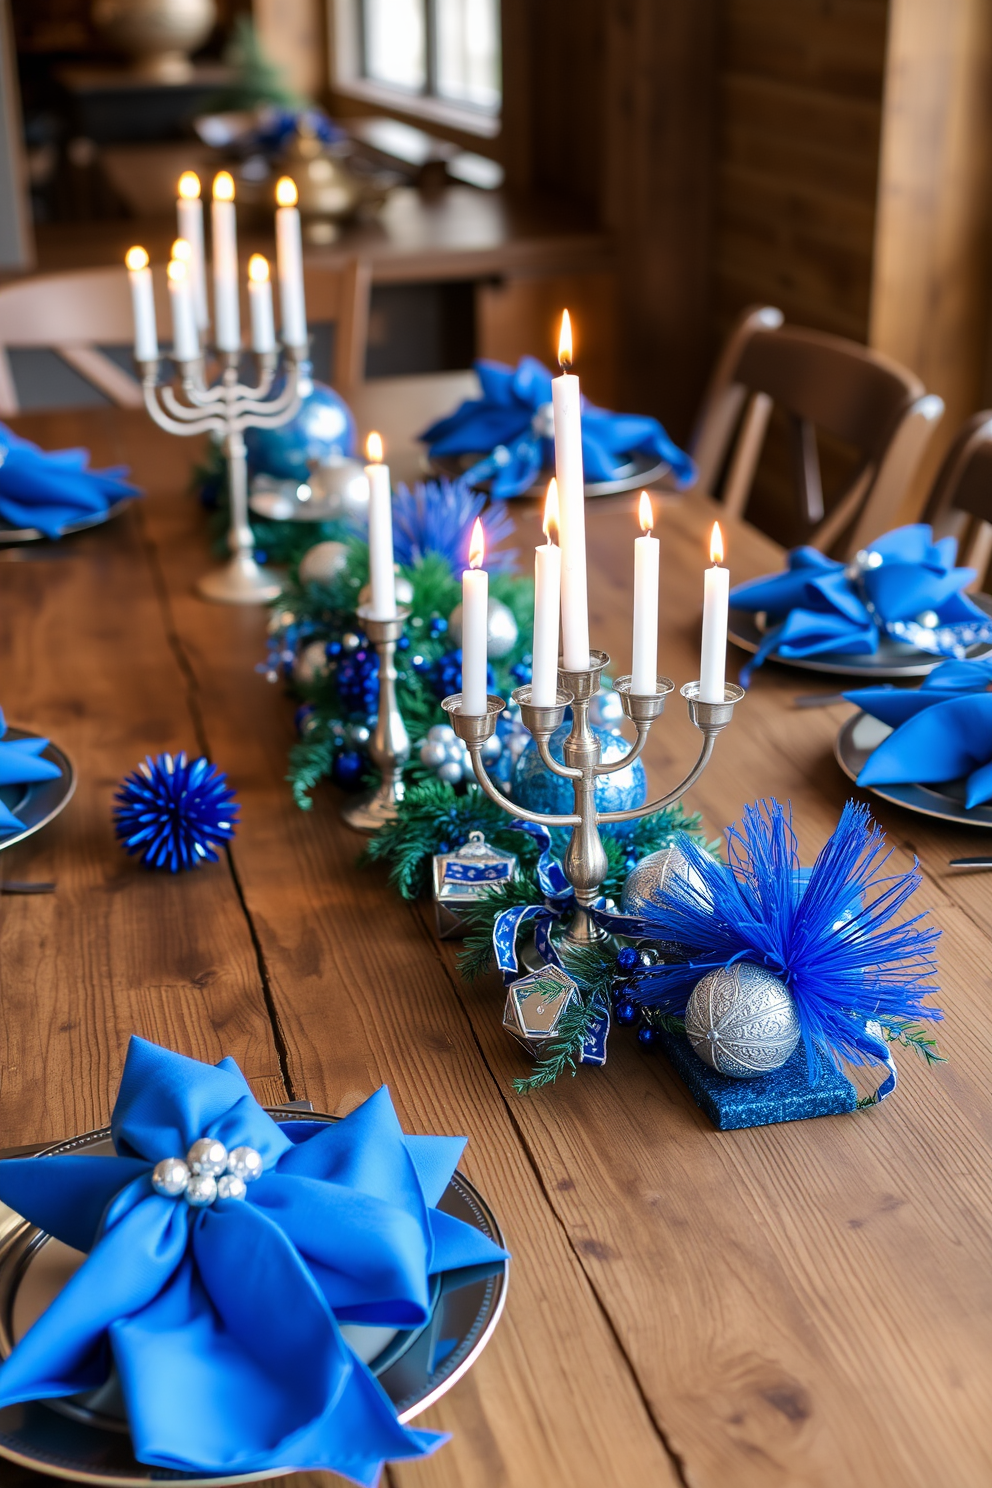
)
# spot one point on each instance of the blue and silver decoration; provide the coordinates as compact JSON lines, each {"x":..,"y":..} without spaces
{"x":464,"y":876}
{"x":532,"y":784}
{"x":175,"y":813}
{"x":208,"y":1173}
{"x":741,"y":1021}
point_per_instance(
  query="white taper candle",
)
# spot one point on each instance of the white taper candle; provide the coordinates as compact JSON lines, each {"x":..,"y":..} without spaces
{"x":547,"y":603}
{"x":223,"y":222}
{"x":289,"y":260}
{"x":716,"y":603}
{"x":382,"y":578}
{"x":644,"y":661}
{"x":263,"y":329}
{"x":475,"y":628}
{"x":189,"y":215}
{"x":185,"y":341}
{"x":572,"y":497}
{"x":142,"y":305}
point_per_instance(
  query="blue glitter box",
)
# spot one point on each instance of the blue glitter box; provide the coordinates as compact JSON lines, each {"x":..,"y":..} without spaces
{"x":784,"y":1095}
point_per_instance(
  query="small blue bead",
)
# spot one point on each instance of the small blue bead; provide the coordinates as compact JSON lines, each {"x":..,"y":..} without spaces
{"x":626,"y":1012}
{"x":647,"y":1038}
{"x":628,"y":958}
{"x":403,"y":644}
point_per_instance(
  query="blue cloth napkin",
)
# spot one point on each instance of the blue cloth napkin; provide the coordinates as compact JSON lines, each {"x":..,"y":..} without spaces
{"x":905,"y":586}
{"x":941,"y":731}
{"x":21,"y":764}
{"x":223,"y":1321}
{"x":513,"y":421}
{"x":48,"y":489}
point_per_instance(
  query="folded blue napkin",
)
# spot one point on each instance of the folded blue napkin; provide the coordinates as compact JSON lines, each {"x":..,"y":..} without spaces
{"x":48,"y":489}
{"x":21,"y":764}
{"x":904,"y":586}
{"x":219,"y":1300}
{"x":940,"y":731}
{"x":513,"y":422}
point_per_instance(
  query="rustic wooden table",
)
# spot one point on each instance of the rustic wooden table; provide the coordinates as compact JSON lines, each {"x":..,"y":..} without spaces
{"x":800,"y":1304}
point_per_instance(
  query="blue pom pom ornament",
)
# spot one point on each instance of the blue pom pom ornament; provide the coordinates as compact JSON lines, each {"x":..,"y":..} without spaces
{"x":174,"y":813}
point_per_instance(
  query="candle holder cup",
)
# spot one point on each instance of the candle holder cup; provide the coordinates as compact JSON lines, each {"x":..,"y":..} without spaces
{"x":227,"y":408}
{"x":389,"y":748}
{"x":585,"y":863}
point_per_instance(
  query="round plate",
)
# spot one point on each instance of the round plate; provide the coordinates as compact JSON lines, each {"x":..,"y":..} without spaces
{"x":84,"y":1445}
{"x":892,"y":659}
{"x":9,"y":534}
{"x":641,"y":470}
{"x":39,"y":801}
{"x":861,"y":735}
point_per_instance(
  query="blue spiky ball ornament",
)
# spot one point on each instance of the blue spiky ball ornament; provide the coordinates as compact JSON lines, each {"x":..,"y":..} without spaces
{"x":174,"y":813}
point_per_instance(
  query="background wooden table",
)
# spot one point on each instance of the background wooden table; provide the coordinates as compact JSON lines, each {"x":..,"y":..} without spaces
{"x":798,"y":1304}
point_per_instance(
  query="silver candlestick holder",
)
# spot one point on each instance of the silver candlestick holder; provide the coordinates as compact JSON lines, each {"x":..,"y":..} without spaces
{"x":227,"y":408}
{"x":389,"y":748}
{"x":585,"y":863}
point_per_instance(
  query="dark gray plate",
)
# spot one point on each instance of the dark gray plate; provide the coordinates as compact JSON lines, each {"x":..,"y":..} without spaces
{"x":9,"y":534}
{"x":36,"y":804}
{"x":861,"y":735}
{"x":642,"y":470}
{"x":415,"y":1368}
{"x":892,"y":659}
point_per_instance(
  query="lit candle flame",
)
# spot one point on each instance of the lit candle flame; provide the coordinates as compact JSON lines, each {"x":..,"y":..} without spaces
{"x":551,"y":512}
{"x":645,"y":513}
{"x":286,"y":192}
{"x":258,"y":268}
{"x":373,"y":448}
{"x":136,"y":258}
{"x":177,"y":270}
{"x":477,"y":547}
{"x":223,"y":186}
{"x":182,"y":250}
{"x":716,"y":544}
{"x":565,"y":342}
{"x":189,"y":185}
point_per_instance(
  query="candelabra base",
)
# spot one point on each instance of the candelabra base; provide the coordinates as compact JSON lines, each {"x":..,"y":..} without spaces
{"x":374,"y":810}
{"x":531,"y":959}
{"x":240,"y":582}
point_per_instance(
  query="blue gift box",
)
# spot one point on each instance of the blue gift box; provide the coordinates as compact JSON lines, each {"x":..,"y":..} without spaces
{"x":784,"y":1095}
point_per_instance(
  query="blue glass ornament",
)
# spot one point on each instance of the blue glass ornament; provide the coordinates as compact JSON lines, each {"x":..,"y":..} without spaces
{"x":357,"y":681}
{"x":534,"y":786}
{"x":348,"y":769}
{"x":322,"y":429}
{"x":174,"y":813}
{"x":647,"y":1038}
{"x":625,"y":1012}
{"x":628,"y":959}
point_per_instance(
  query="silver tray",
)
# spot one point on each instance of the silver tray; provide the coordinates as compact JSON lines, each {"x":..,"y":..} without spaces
{"x":74,"y":1441}
{"x":9,"y":534}
{"x":642,"y":470}
{"x":892,"y":659}
{"x":861,"y":735}
{"x":39,"y":801}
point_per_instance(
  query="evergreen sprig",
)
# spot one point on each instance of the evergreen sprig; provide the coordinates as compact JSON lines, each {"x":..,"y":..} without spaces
{"x":564,"y":1052}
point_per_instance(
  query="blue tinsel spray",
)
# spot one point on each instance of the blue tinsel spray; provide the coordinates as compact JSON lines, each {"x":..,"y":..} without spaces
{"x":829,"y":940}
{"x":174,"y":813}
{"x":438,"y":518}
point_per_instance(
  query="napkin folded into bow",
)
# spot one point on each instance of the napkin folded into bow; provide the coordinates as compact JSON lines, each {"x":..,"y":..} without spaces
{"x":21,"y":764}
{"x":940,"y":731}
{"x":48,"y":489}
{"x":905,"y":586}
{"x":222,"y":1321}
{"x":514,"y":421}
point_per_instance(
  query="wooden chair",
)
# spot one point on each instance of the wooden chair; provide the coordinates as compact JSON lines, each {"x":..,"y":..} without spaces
{"x":400,"y":407}
{"x":960,"y":501}
{"x":76,"y":314}
{"x":866,"y":400}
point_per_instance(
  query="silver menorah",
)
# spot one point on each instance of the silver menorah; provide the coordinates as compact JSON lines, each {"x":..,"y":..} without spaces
{"x":228,"y":407}
{"x":585,"y":863}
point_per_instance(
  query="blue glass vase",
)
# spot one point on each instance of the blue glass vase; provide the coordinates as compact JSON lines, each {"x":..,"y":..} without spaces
{"x":534,"y":786}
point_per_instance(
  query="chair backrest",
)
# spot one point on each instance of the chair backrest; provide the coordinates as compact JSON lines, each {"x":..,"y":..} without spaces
{"x":960,"y":501}
{"x":821,"y":382}
{"x":75,"y":314}
{"x":399,"y":408}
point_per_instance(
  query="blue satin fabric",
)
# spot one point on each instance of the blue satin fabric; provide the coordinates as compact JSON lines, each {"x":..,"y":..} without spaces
{"x":20,"y":764}
{"x":818,"y":606}
{"x":223,"y":1322}
{"x":941,"y":731}
{"x":502,"y":421}
{"x":48,"y":489}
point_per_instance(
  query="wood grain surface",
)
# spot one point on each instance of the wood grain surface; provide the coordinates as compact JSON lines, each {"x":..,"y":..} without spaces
{"x":805,"y":1304}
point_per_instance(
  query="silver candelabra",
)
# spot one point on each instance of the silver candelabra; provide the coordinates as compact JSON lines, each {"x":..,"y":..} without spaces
{"x":389,"y":748}
{"x":227,"y":408}
{"x":585,"y":863}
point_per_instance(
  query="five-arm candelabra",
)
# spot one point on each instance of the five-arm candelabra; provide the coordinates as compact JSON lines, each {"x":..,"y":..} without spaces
{"x":227,"y":408}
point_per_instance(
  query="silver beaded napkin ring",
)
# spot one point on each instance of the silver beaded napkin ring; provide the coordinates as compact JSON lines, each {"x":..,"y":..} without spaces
{"x":209,"y":1172}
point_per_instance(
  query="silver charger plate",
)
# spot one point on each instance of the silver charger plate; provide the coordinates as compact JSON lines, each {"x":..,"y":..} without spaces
{"x":642,"y":470}
{"x":9,"y":534}
{"x":861,"y":735}
{"x":38,"y":802}
{"x":79,"y":1443}
{"x":892,"y":659}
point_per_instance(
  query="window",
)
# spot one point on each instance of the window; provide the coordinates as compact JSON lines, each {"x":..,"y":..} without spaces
{"x":438,"y":49}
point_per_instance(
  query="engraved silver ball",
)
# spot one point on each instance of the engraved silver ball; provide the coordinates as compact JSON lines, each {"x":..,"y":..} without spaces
{"x":741,"y":1021}
{"x":245,"y":1163}
{"x":230,"y":1186}
{"x":201,"y":1190}
{"x":170,"y":1177}
{"x":207,"y":1157}
{"x":651,"y":876}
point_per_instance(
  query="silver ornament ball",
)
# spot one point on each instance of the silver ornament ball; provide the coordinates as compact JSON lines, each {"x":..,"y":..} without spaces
{"x":491,"y":750}
{"x":501,"y":628}
{"x":433,"y":753}
{"x":741,"y":1021}
{"x":170,"y":1177}
{"x":230,"y":1186}
{"x":201,"y":1190}
{"x":245,"y":1163}
{"x":442,"y":733}
{"x":311,"y":662}
{"x":651,"y":876}
{"x":207,"y":1156}
{"x":323,"y":562}
{"x":404,"y":592}
{"x":450,"y":773}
